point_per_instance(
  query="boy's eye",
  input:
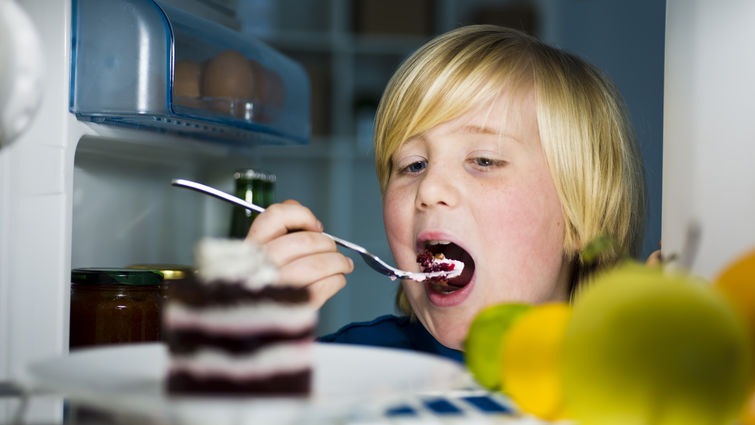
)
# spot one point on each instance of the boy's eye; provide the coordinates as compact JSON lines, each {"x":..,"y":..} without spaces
{"x":486,"y":162}
{"x":415,"y":167}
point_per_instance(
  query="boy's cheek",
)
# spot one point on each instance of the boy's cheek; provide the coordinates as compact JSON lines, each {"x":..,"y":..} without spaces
{"x":396,"y":218}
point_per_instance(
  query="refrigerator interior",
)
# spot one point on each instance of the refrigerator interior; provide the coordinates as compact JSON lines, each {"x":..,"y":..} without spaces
{"x":81,"y":193}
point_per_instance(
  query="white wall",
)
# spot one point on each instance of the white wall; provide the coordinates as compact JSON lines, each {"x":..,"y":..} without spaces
{"x":709,"y":130}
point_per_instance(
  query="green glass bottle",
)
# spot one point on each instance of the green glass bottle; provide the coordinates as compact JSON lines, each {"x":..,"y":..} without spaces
{"x":268,"y":189}
{"x":255,"y":187}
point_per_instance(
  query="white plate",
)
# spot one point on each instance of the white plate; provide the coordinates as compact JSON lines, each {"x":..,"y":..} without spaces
{"x":129,"y":379}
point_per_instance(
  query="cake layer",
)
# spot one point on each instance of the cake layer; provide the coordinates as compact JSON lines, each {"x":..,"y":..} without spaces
{"x":267,"y":361}
{"x":191,"y":292}
{"x":293,"y":383}
{"x":240,"y":320}
{"x":233,"y":260}
{"x":187,"y":341}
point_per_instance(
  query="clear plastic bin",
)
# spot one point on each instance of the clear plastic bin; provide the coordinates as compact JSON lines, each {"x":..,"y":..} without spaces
{"x":147,"y":64}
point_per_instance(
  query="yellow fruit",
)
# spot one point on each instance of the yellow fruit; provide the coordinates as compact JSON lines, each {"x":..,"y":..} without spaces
{"x":648,"y":347}
{"x":483,"y":344}
{"x":531,"y":360}
{"x":747,"y":417}
{"x":737,"y":282}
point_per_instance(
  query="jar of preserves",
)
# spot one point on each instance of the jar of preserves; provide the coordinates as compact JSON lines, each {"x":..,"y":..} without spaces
{"x":111,"y":306}
{"x":171,"y":273}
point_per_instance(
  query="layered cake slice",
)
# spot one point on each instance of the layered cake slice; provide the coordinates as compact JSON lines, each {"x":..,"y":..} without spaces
{"x":230,"y":330}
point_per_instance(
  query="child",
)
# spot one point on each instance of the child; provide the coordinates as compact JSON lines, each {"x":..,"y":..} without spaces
{"x":493,"y":149}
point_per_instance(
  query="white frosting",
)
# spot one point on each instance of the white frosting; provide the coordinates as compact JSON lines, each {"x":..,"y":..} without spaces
{"x":271,"y":360}
{"x":458,"y":267}
{"x":242,"y":319}
{"x":234,"y":260}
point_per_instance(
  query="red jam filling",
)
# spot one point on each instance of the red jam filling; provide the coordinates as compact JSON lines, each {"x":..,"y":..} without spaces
{"x":429,"y":263}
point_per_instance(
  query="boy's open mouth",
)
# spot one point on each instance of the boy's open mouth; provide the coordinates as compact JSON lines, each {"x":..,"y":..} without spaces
{"x":448,"y":250}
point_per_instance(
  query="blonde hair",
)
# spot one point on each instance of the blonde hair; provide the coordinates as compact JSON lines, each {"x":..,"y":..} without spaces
{"x":585,"y":131}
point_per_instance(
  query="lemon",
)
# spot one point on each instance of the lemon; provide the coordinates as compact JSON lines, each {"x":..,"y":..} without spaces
{"x":645,"y":346}
{"x":483,"y":343}
{"x":531,"y":360}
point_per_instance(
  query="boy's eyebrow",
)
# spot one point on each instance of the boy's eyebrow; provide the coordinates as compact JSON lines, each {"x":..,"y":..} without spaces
{"x":469,"y":129}
{"x":476,"y":129}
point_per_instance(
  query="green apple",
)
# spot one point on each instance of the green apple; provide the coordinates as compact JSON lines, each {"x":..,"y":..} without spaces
{"x":482,"y":348}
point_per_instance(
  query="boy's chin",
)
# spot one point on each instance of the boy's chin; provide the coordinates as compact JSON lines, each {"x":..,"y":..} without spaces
{"x":453,"y":339}
{"x":449,"y":331}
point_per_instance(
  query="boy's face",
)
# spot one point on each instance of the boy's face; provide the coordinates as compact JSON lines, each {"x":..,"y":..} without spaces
{"x":482,"y":183}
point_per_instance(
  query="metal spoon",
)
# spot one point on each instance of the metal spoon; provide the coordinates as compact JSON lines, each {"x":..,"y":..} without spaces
{"x":372,"y":260}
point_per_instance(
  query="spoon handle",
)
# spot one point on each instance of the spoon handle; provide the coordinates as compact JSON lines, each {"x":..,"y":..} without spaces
{"x":199,"y":187}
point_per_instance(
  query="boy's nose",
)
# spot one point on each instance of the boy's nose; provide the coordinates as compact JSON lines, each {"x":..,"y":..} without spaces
{"x":438,"y":187}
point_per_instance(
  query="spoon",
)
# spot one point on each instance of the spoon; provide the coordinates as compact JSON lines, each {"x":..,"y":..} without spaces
{"x":372,"y":260}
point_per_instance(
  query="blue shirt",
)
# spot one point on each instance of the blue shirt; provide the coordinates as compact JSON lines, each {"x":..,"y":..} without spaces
{"x":395,"y":332}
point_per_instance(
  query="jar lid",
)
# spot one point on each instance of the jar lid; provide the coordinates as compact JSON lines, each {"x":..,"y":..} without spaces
{"x":114,"y":276}
{"x":169,"y":271}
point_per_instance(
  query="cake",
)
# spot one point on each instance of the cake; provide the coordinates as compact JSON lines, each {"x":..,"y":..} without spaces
{"x":437,"y":267}
{"x":230,"y":329}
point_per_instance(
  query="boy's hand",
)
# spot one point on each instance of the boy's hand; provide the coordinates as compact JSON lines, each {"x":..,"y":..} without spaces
{"x":292,"y":237}
{"x":656,"y":257}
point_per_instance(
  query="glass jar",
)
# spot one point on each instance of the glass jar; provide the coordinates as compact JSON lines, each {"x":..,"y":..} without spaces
{"x":171,"y":273}
{"x":111,"y":306}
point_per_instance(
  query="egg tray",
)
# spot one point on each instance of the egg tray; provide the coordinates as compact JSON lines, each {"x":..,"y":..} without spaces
{"x":126,"y":69}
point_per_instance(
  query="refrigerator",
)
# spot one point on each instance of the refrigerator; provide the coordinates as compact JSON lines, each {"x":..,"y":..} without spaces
{"x":88,"y":183}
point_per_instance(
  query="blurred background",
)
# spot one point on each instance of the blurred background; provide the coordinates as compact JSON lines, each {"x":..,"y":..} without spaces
{"x":350,"y":48}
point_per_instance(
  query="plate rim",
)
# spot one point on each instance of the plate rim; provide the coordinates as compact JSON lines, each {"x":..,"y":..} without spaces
{"x":169,"y":406}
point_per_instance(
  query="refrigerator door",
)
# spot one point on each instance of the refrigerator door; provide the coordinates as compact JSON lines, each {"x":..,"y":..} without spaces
{"x":708,"y":177}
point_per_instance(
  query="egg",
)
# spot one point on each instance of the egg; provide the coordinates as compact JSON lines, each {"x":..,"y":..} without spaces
{"x":229,"y":75}
{"x":186,"y":78}
{"x":271,"y":92}
{"x":275,"y":89}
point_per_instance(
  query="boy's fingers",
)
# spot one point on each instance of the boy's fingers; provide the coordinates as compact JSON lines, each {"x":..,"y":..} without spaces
{"x":279,"y":219}
{"x":312,"y":268}
{"x":324,"y":289}
{"x":292,"y":246}
{"x":655,"y":258}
